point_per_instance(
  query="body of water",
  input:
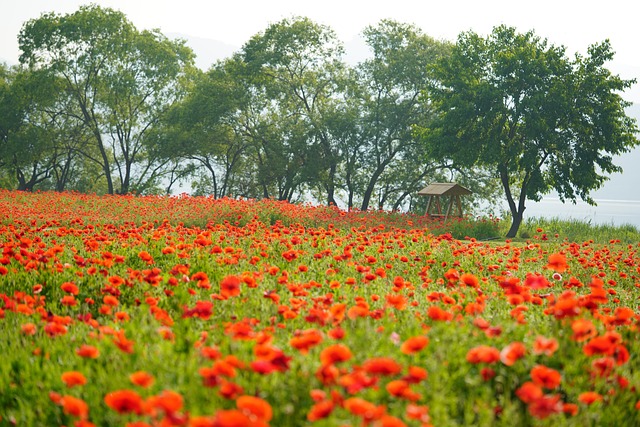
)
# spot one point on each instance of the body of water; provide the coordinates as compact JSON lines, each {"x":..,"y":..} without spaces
{"x":616,"y":212}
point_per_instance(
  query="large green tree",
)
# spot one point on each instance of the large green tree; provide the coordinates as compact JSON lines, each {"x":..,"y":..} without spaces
{"x":121,"y":81}
{"x":390,"y":88}
{"x":29,"y":150}
{"x":540,"y":120}
{"x":204,"y":129}
{"x":296,"y":65}
{"x":241,"y":140}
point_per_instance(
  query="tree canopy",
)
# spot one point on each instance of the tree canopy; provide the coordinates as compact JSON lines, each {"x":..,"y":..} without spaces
{"x":118,"y":80}
{"x":98,"y":105}
{"x":540,"y":120}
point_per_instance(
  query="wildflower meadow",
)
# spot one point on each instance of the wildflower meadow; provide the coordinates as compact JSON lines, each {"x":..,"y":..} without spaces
{"x":190,"y":311}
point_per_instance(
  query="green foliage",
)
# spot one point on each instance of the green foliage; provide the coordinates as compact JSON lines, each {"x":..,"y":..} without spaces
{"x":383,"y":156}
{"x":119,"y":80}
{"x":99,"y":106}
{"x":30,"y":143}
{"x":541,"y":121}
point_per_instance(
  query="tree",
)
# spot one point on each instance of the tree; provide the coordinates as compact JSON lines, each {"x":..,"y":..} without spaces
{"x":244,"y":142}
{"x":541,"y":121}
{"x":121,"y":80}
{"x":28,"y":151}
{"x":297,"y":65}
{"x":390,"y":91}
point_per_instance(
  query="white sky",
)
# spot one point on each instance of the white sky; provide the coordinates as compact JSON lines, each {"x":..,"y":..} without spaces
{"x":574,"y":24}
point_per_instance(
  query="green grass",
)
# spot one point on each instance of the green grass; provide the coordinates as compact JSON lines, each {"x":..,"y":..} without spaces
{"x":577,"y":231}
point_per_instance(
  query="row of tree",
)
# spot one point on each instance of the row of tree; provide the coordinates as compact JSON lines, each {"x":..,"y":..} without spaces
{"x":97,"y":105}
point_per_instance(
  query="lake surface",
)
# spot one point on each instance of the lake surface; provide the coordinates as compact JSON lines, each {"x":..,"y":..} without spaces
{"x":616,"y":212}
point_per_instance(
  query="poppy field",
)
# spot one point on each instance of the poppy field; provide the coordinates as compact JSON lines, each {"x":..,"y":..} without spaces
{"x":190,"y":311}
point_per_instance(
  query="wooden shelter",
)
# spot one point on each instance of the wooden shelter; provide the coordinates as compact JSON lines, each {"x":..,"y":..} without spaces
{"x":436,"y":191}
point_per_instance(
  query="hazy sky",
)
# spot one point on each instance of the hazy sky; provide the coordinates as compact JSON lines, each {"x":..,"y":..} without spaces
{"x":574,"y":24}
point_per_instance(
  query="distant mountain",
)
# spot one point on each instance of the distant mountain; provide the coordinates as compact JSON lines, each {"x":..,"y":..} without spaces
{"x":207,"y":51}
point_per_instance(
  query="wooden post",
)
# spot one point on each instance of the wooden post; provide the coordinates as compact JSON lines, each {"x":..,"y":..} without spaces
{"x":449,"y":207}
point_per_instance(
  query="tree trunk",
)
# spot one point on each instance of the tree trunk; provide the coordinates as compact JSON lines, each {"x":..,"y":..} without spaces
{"x":372,"y":185}
{"x":89,"y":119}
{"x":105,"y":163}
{"x":517,"y":212}
{"x":515,"y":223}
{"x":331,"y":185}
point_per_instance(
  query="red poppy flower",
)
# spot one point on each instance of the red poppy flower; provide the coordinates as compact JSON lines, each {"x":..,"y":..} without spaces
{"x":414,"y":344}
{"x":381,"y":366}
{"x":28,"y":329}
{"x":546,"y":346}
{"x":365,"y":409}
{"x":487,"y":373}
{"x":54,"y":329}
{"x":483,"y":354}
{"x":70,"y":288}
{"x":168,"y":401}
{"x":88,"y":351}
{"x":73,"y":378}
{"x":546,"y":406}
{"x":545,"y":377}
{"x":603,"y":366}
{"x":255,"y":407}
{"x":202,"y":310}
{"x":305,"y":340}
{"x":402,"y":389}
{"x":557,"y":262}
{"x":570,"y":409}
{"x":142,"y":379}
{"x":124,"y":401}
{"x":334,"y":354}
{"x":209,"y":376}
{"x":194,"y":421}
{"x":230,"y":286}
{"x":469,"y":280}
{"x":397,"y":301}
{"x":416,"y":374}
{"x":436,"y":313}
{"x":146,"y":257}
{"x":327,"y":374}
{"x":536,"y":281}
{"x":418,"y":412}
{"x":320,"y":410}
{"x":110,"y":300}
{"x":122,"y":342}
{"x":589,"y":397}
{"x":512,"y":352}
{"x":583,"y":329}
{"x":452,"y":275}
{"x":566,"y":306}
{"x":605,"y":344}
{"x":74,"y":406}
{"x":235,"y":418}
{"x":396,"y":387}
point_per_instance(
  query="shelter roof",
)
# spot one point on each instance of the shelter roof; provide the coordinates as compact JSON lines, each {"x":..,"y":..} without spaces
{"x":444,"y":189}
